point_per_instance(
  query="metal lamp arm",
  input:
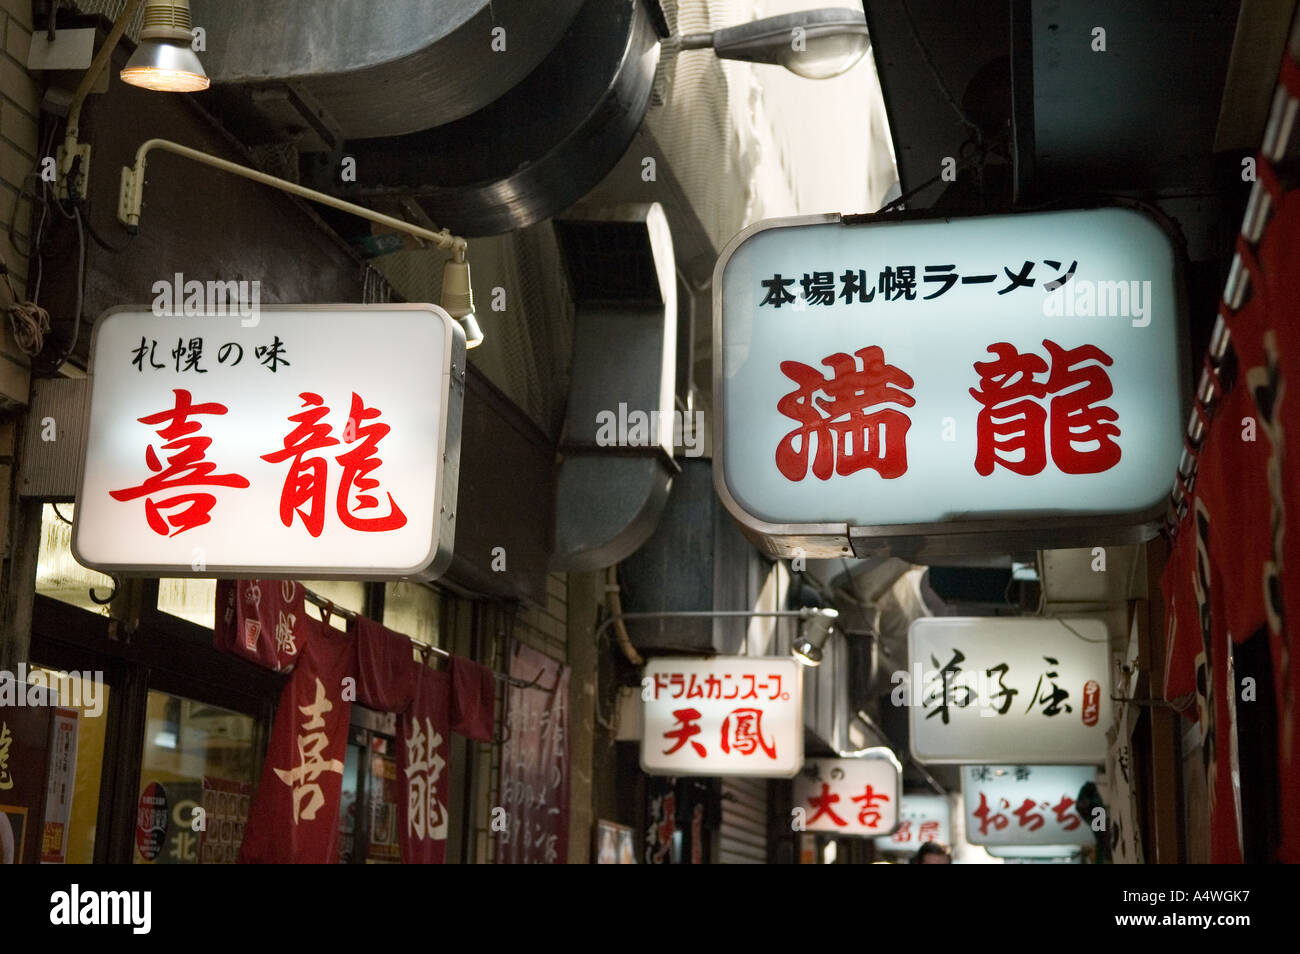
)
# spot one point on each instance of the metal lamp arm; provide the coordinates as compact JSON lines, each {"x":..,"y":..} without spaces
{"x":131,"y":197}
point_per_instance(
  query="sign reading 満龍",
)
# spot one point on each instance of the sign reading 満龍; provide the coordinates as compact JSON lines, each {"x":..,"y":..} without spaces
{"x":726,"y":715}
{"x":856,"y":796}
{"x":922,"y":377}
{"x":1025,"y":804}
{"x":1004,"y":689}
{"x":921,"y":818}
{"x":318,"y":441}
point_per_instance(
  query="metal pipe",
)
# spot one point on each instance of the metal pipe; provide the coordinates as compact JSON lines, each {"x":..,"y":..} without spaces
{"x":806,"y":612}
{"x":132,"y":195}
{"x":97,"y":66}
{"x":321,"y":601}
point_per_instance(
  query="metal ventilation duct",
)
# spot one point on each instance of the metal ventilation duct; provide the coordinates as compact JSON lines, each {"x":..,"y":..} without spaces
{"x":382,"y":67}
{"x":530,"y":153}
{"x":609,"y":495}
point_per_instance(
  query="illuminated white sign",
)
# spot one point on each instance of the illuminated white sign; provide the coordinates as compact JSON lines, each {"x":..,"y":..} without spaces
{"x":921,"y":818}
{"x":1026,"y":804}
{"x":925,"y":376}
{"x":726,"y":715}
{"x":1001,"y":689}
{"x":318,"y":441}
{"x":857,"y":796}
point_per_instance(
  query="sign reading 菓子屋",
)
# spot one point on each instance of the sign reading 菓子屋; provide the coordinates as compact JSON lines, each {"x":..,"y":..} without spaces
{"x":725,"y":715}
{"x":921,"y":819}
{"x":857,"y":796}
{"x":931,"y":378}
{"x":317,"y":441}
{"x":1006,"y":689}
{"x":1026,"y":804}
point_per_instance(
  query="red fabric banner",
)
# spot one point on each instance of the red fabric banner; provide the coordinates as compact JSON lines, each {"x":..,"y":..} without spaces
{"x":295,"y":814}
{"x":473,"y":699}
{"x":535,"y":763}
{"x":262,"y":620}
{"x":1274,"y":377}
{"x":423,"y":750}
{"x":386,"y":669}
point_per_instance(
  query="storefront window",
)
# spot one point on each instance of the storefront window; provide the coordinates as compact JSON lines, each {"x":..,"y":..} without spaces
{"x":75,"y":765}
{"x":413,"y":610}
{"x":194,"y":600}
{"x":58,"y":575}
{"x":194,"y":755}
{"x":343,"y":593}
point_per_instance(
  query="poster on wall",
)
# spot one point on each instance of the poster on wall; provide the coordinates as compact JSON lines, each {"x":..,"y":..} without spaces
{"x":535,"y":763}
{"x":26,"y":728}
{"x":60,"y":788}
{"x":226,"y":803}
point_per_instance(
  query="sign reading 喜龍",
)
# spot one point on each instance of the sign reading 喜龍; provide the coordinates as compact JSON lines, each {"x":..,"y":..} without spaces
{"x":914,"y":380}
{"x":857,"y":796}
{"x":314,"y":441}
{"x":726,"y":715}
{"x":1003,"y":689}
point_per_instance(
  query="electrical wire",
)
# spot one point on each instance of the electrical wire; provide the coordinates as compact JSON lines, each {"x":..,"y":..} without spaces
{"x":81,"y":287}
{"x":976,"y":131}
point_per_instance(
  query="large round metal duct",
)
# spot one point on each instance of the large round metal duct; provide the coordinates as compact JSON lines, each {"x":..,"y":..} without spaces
{"x":382,"y":67}
{"x":531,"y":153}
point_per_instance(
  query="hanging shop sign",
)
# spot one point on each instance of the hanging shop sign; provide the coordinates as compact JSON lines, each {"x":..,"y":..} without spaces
{"x":725,"y":715}
{"x":921,"y":818}
{"x":315,"y":441}
{"x":927,"y":384}
{"x":1025,"y":804}
{"x":1002,"y":689}
{"x":857,"y":796}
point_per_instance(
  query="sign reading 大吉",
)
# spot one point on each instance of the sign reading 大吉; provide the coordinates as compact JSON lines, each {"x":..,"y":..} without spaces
{"x":926,"y":376}
{"x":857,"y":796}
{"x":318,"y":441}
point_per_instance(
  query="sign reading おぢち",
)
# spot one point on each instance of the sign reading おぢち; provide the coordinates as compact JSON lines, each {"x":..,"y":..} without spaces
{"x":319,"y":441}
{"x":921,"y":377}
{"x":1004,"y":689}
{"x":725,"y":715}
{"x":1025,"y":804}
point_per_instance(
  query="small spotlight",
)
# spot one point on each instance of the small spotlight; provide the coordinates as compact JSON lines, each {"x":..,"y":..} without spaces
{"x":814,"y":44}
{"x":165,"y":60}
{"x":807,"y":649}
{"x":473,"y":333}
{"x":457,"y":299}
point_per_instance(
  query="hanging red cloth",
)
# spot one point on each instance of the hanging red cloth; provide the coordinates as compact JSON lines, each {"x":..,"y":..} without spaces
{"x":263,"y":621}
{"x":295,"y":813}
{"x":423,"y":751}
{"x":1272,"y":355}
{"x":473,"y":699}
{"x":386,"y":669}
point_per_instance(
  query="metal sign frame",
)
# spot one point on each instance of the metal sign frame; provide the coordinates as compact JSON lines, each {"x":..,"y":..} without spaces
{"x":924,"y":541}
{"x":452,"y":392}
